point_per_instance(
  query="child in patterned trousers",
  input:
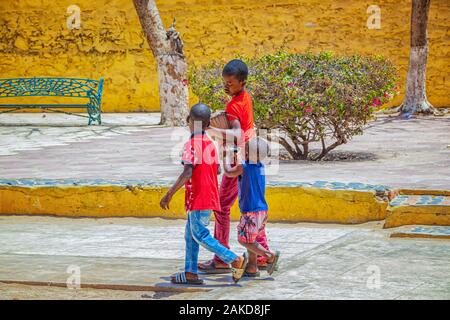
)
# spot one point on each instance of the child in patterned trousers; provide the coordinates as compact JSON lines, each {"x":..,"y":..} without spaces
{"x":252,"y":203}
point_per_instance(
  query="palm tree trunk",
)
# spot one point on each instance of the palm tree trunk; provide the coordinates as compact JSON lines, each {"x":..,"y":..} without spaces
{"x":415,"y":97}
{"x":167,"y":49}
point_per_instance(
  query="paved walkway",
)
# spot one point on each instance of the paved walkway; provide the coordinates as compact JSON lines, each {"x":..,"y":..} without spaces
{"x":408,"y":154}
{"x":51,"y":119}
{"x":317,"y":262}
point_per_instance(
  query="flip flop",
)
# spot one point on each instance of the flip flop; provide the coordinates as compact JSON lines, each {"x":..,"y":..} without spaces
{"x":262,"y":266}
{"x":180,"y":278}
{"x":211,"y":268}
{"x":271,"y":267}
{"x":238,"y":273}
{"x":256,"y":274}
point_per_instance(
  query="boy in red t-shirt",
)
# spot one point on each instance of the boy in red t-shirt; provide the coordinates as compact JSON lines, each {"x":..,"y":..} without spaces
{"x":200,"y":160}
{"x":240,"y":116}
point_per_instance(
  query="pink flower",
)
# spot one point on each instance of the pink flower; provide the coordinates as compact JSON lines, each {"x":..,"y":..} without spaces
{"x":290,"y":84}
{"x":301,"y":104}
{"x":386,"y":95}
{"x":185,"y":82}
{"x":308,"y":109}
{"x":376,"y":102}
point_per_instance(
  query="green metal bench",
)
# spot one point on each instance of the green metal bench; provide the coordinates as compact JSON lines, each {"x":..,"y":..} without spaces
{"x":54,"y":87}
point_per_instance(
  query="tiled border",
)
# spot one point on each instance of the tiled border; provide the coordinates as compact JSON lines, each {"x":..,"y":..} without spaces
{"x":420,"y":200}
{"x":164,"y":183}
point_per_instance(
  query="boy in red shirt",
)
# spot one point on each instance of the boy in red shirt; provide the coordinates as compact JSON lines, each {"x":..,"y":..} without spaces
{"x":240,"y":116}
{"x":200,"y":160}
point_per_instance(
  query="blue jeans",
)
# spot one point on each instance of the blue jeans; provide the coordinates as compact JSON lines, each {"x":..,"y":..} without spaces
{"x":197,"y":234}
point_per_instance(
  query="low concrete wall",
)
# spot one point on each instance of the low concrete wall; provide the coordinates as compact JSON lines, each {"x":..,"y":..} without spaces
{"x":417,"y":215}
{"x":286,"y":203}
{"x":323,"y":202}
{"x":419,"y":207}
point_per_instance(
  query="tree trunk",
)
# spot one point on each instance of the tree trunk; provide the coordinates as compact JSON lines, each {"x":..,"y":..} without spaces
{"x":167,"y":49}
{"x":415,"y":97}
{"x":293,"y":151}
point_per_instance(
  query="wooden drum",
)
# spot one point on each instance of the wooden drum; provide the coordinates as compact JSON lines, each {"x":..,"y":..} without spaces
{"x":219,"y":120}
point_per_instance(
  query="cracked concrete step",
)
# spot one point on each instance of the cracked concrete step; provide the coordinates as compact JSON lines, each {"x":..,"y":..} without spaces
{"x":417,"y":207}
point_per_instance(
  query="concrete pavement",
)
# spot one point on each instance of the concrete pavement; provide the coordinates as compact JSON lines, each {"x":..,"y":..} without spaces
{"x":405,"y":154}
{"x":317,"y":262}
{"x":51,"y":119}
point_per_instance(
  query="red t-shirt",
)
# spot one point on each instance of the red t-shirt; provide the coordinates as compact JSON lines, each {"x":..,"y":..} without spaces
{"x":240,"y":108}
{"x":202,"y":192}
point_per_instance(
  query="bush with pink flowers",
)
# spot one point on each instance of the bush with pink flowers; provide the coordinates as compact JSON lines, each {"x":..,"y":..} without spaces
{"x":313,"y":99}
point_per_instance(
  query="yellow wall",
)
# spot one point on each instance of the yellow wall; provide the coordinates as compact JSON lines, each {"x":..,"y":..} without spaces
{"x":311,"y":205}
{"x":34,"y":39}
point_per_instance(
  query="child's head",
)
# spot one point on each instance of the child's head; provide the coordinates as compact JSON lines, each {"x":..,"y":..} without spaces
{"x":199,"y":117}
{"x":256,"y":150}
{"x":234,"y":76}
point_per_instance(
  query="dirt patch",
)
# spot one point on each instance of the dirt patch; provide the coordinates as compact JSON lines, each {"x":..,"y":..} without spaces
{"x":336,"y":156}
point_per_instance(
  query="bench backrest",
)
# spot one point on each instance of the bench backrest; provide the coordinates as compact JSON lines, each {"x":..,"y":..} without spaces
{"x":52,"y":87}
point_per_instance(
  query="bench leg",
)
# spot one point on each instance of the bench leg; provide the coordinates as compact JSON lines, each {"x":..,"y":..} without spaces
{"x":92,"y":120}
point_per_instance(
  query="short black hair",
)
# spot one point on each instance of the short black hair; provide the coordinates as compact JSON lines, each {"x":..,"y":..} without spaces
{"x":236,"y":68}
{"x":201,"y":112}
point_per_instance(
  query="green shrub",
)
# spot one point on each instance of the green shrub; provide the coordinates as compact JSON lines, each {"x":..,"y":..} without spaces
{"x":311,"y":98}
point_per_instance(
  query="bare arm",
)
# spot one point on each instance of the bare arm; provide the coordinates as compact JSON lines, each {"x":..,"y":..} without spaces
{"x":231,"y":171}
{"x":182,"y":179}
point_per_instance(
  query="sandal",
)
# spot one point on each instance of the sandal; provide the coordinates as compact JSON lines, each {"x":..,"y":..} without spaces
{"x":209,"y":267}
{"x":256,"y":274}
{"x":262,"y":266}
{"x":180,"y":278}
{"x":271,"y":267}
{"x":238,"y":273}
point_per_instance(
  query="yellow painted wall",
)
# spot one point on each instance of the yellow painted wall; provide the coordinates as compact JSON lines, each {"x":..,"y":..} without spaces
{"x":34,"y":39}
{"x":417,"y":215}
{"x":311,"y":205}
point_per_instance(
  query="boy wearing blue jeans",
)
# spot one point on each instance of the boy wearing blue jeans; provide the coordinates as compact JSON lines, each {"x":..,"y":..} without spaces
{"x":200,"y":161}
